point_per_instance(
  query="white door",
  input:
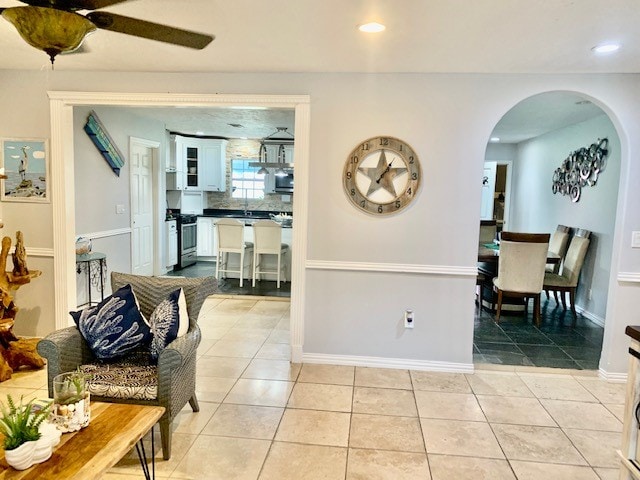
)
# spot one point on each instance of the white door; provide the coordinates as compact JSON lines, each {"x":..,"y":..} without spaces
{"x":141,"y":170}
{"x":488,"y":189}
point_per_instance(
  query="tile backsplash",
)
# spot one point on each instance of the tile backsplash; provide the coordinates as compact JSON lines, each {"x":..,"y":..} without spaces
{"x":272,"y":202}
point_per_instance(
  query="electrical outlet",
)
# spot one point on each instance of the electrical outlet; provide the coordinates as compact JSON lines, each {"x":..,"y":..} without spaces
{"x":408,"y":319}
{"x":119,"y":209}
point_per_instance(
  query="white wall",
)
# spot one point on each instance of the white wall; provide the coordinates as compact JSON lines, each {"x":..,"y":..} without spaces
{"x":447,"y":119}
{"x":536,"y":209}
{"x":98,"y":189}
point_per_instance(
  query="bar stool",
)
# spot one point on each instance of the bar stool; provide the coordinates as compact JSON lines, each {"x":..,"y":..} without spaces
{"x":231,"y":240}
{"x":267,"y":235}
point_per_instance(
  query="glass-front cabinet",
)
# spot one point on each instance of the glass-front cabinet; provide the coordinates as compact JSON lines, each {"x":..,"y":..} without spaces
{"x":197,"y":164}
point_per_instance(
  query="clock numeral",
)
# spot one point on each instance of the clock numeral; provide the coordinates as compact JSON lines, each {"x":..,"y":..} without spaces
{"x":411,"y":160}
{"x":353,"y":192}
{"x":355,"y":159}
{"x":362,"y":203}
{"x":414,"y":176}
{"x":401,"y":148}
{"x":409,"y":191}
{"x":349,"y":175}
{"x":365,"y":146}
{"x":379,"y":208}
{"x":398,"y":204}
{"x":384,"y":141}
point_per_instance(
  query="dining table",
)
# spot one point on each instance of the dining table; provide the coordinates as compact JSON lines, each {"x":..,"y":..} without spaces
{"x":490,"y":253}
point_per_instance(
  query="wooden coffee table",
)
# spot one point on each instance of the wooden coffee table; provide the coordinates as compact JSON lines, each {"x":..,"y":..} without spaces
{"x":115,"y":428}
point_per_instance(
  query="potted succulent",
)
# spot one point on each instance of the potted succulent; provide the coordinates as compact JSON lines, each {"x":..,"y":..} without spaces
{"x":20,"y":425}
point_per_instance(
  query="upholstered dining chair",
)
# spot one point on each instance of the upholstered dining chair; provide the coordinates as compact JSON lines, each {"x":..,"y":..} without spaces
{"x":169,"y":383}
{"x":558,"y":245}
{"x":231,"y":240}
{"x":267,"y":235}
{"x":521,"y":269}
{"x":488,"y":229}
{"x":567,"y":281}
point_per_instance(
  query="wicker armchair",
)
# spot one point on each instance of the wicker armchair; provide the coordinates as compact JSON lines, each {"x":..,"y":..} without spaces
{"x":66,"y":350}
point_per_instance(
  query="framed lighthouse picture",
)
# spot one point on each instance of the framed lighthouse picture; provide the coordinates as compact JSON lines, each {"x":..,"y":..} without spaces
{"x":25,"y":164}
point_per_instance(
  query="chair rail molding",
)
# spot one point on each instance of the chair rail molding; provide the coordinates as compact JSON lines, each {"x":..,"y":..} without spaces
{"x":392,"y":267}
{"x":629,"y":277}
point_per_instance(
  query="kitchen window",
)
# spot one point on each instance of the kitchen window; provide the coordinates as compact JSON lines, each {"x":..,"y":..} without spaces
{"x":246,"y":182}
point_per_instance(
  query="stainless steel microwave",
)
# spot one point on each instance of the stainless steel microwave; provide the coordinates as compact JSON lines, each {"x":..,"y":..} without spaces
{"x":284,"y":184}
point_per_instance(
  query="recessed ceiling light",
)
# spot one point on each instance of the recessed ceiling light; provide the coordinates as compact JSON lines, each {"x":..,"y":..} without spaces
{"x":606,"y":48}
{"x":371,"y":27}
{"x":494,"y":139}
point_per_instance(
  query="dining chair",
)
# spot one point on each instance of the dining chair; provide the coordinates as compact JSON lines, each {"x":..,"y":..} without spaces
{"x":267,"y":235}
{"x":523,"y":257}
{"x":488,"y":229}
{"x":231,"y":240}
{"x":567,"y":281}
{"x":558,"y":245}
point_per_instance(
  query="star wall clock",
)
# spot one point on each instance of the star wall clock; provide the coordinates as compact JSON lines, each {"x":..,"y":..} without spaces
{"x":382,"y":175}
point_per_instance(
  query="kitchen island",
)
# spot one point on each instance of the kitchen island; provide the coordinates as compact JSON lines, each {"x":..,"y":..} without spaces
{"x":208,"y":242}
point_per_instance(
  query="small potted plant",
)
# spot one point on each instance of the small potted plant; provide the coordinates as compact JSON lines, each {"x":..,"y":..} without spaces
{"x":71,"y":409}
{"x":20,"y":425}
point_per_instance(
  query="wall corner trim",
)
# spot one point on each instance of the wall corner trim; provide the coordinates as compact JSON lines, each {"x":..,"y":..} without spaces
{"x":612,"y":376}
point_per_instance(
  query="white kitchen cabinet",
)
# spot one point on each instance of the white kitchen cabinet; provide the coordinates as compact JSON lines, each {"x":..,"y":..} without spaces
{"x":171,"y":255}
{"x":207,"y":242}
{"x":213,"y":165}
{"x":184,"y":168}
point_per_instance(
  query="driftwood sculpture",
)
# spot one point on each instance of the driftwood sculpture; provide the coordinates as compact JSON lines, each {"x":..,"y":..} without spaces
{"x":14,"y":352}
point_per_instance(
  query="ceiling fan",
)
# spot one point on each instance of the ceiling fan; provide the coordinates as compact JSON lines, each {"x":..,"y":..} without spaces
{"x":55,"y":27}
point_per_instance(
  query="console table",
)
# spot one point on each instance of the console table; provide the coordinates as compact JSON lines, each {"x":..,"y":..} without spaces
{"x":95,"y":265}
{"x":88,"y":453}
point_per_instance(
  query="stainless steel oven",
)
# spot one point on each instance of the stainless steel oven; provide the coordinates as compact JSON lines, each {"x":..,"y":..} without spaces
{"x":187,"y":240}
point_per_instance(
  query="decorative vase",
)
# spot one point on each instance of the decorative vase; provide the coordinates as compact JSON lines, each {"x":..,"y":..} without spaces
{"x":43,"y":450}
{"x":71,"y":410}
{"x":21,"y":458}
{"x":50,"y":433}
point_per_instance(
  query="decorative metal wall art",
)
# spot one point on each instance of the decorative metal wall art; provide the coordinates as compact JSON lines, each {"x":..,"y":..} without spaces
{"x":580,"y":169}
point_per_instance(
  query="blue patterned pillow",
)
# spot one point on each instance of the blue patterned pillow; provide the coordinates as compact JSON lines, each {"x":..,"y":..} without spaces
{"x":114,"y":327}
{"x":167,"y":322}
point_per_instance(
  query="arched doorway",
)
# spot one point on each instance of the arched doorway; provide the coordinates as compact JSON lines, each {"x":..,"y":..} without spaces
{"x":528,"y":144}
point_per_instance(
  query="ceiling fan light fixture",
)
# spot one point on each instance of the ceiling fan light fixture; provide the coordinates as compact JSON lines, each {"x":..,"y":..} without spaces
{"x":48,"y":29}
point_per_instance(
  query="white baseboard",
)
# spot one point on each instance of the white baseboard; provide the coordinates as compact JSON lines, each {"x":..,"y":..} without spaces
{"x":612,"y":377}
{"x":594,"y":318}
{"x":383,"y":362}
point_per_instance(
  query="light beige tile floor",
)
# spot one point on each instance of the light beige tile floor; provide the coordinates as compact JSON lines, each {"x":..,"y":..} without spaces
{"x":262,"y":418}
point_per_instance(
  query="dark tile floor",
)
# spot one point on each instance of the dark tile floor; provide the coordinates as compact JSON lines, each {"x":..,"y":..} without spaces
{"x":556,"y":343}
{"x":231,"y":286}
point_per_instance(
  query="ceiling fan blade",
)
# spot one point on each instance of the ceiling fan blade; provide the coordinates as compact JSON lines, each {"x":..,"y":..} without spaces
{"x":150,"y":30}
{"x":73,"y":5}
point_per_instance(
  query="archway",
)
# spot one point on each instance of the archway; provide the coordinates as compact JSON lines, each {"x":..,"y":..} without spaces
{"x":531,"y":141}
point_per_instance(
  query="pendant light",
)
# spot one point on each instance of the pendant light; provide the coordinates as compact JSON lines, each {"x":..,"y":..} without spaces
{"x":262,"y":156}
{"x":282,"y":138}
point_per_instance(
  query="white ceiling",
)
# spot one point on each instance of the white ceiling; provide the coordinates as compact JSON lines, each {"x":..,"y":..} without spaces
{"x":502,"y":36}
{"x":422,"y":36}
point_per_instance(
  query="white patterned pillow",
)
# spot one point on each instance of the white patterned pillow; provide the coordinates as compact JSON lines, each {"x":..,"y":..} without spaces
{"x":114,"y":327}
{"x":168,"y":321}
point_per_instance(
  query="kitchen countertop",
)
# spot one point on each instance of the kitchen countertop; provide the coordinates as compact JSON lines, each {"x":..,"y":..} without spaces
{"x":249,"y":217}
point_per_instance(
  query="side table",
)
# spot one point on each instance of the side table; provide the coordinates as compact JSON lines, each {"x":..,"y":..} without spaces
{"x":95,"y":266}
